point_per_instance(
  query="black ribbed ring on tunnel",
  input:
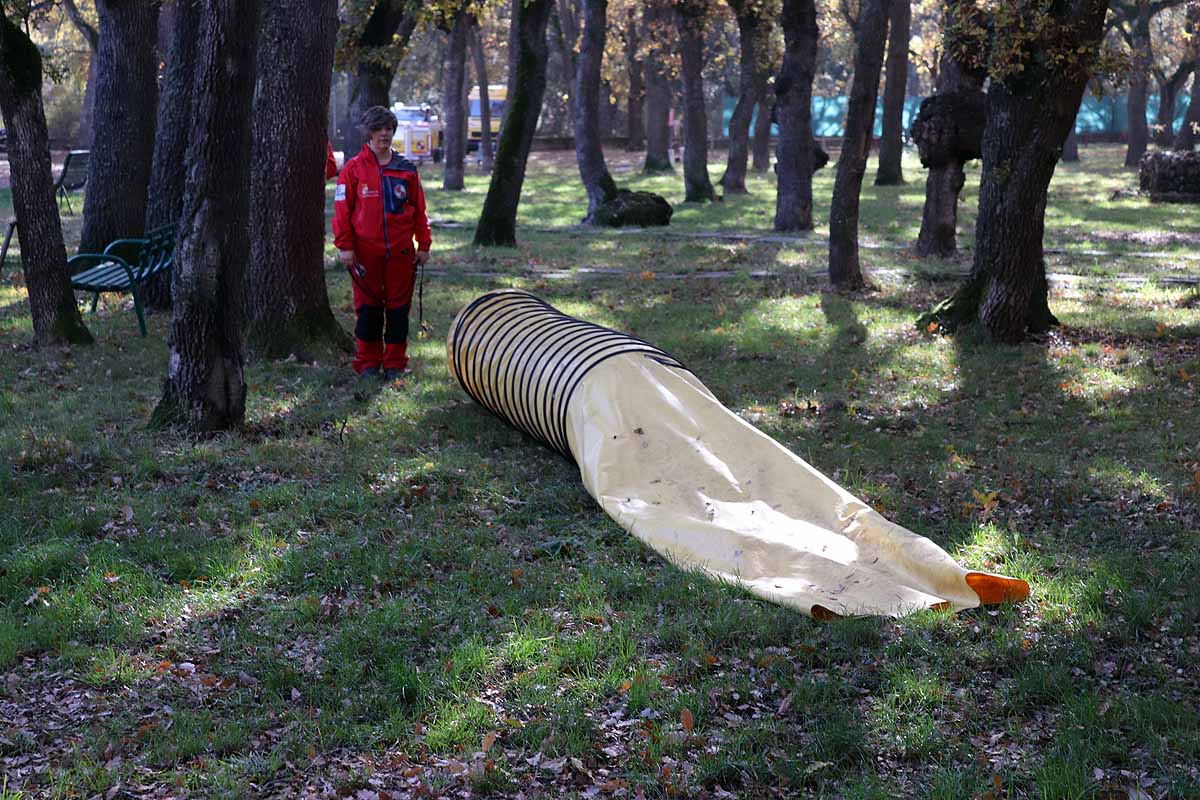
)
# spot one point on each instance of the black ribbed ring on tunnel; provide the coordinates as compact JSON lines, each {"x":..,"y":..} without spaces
{"x":521,"y":358}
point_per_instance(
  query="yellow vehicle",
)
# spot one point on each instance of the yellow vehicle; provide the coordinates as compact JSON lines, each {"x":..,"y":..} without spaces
{"x":418,"y":133}
{"x":497,"y":94}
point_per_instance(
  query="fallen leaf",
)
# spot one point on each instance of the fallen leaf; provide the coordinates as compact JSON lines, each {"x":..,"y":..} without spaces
{"x":688,"y":720}
{"x":489,"y":740}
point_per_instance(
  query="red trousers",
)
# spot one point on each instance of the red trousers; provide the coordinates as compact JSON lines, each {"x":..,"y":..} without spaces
{"x":383,"y":289}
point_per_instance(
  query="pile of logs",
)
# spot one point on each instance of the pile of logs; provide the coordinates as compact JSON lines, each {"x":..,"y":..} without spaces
{"x":1170,"y":176}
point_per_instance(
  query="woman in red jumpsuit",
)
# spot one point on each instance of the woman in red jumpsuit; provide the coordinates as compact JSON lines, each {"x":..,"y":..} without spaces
{"x":379,"y":212}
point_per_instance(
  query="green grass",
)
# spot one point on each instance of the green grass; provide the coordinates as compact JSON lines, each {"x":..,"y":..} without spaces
{"x":372,"y":594}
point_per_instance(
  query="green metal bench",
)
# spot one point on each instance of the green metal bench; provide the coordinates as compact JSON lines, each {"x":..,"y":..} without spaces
{"x":124,"y":266}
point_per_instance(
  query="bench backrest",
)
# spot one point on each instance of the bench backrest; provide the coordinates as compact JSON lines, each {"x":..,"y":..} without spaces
{"x":151,"y":254}
{"x":75,"y":170}
{"x":157,"y":253}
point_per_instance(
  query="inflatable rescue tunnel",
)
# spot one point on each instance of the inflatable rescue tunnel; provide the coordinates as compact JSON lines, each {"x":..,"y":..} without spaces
{"x":690,"y":478}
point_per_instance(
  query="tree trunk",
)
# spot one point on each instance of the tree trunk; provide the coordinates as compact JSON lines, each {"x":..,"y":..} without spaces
{"x":205,"y":389}
{"x":1071,"y":147}
{"x":845,"y":271}
{"x":1168,"y":96}
{"x":1139,"y":80}
{"x":87,"y":113}
{"x":126,"y":105}
{"x":635,"y":122}
{"x":761,"y":145}
{"x":657,"y":21}
{"x":566,"y":34}
{"x":1190,"y":129}
{"x":1028,"y":118}
{"x":948,"y":132}
{"x":52,"y":305}
{"x":891,"y":142}
{"x":588,"y":150}
{"x":526,"y":88}
{"x":752,"y":87}
{"x":453,"y":99}
{"x":793,"y":107}
{"x":287,"y":302}
{"x":391,"y":24}
{"x":173,"y":134}
{"x":690,"y":17}
{"x":485,"y":101}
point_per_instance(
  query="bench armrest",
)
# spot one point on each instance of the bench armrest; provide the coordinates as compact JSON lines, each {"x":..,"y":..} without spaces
{"x":91,"y":259}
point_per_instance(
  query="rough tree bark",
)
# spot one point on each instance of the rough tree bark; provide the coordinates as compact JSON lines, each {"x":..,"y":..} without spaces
{"x":526,"y":88}
{"x":948,"y":131}
{"x":1029,"y":114}
{"x":588,"y":151}
{"x":760,"y":146}
{"x":793,"y":107}
{"x":845,"y":271}
{"x":891,"y":140}
{"x":168,"y":172}
{"x":690,"y":17}
{"x":287,"y":302}
{"x":485,"y":101}
{"x":205,"y":388}
{"x":635,"y":123}
{"x":87,"y":114}
{"x":1139,"y":82}
{"x":454,"y":100}
{"x":656,"y":20}
{"x":752,"y":87}
{"x":391,"y":23}
{"x":55,"y":314}
{"x":126,"y":105}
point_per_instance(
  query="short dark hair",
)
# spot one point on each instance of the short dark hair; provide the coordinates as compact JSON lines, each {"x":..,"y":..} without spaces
{"x":376,"y":118}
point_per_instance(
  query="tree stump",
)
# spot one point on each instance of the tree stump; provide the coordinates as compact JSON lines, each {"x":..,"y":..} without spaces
{"x":634,"y":208}
{"x":1170,"y":177}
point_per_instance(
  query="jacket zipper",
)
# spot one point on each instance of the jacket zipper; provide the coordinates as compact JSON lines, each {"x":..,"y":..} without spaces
{"x":387,"y":245}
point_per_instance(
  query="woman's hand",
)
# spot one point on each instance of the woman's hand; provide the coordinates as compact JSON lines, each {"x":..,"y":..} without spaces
{"x":346,"y":257}
{"x":422,"y":257}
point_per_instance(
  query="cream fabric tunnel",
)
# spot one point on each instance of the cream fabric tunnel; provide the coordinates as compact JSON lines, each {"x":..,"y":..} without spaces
{"x":692,"y":479}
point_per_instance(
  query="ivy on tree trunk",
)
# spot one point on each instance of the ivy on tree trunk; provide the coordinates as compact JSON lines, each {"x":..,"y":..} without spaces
{"x":52,"y":305}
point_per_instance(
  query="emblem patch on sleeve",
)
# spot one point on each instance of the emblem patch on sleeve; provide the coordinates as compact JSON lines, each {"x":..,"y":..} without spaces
{"x":339,"y":193}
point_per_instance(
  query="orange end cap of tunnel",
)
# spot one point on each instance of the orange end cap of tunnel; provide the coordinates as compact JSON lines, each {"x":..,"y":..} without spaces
{"x":996,"y":588}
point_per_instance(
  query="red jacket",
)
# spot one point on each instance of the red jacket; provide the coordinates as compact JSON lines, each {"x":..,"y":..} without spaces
{"x":379,"y":209}
{"x":330,"y":161}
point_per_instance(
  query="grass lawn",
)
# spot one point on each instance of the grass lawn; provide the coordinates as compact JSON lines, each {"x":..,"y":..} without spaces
{"x":404,"y":597}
